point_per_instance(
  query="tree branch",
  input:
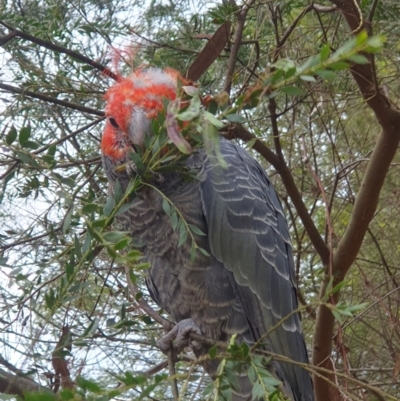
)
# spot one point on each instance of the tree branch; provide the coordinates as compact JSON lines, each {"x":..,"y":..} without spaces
{"x":59,"y":49}
{"x":15,"y":384}
{"x":366,"y":200}
{"x":236,"y":44}
{"x":49,"y":99}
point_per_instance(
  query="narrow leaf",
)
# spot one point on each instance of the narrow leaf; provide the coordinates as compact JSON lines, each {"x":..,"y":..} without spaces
{"x":11,"y":136}
{"x":24,"y":134}
{"x":67,"y":220}
{"x":166,"y":207}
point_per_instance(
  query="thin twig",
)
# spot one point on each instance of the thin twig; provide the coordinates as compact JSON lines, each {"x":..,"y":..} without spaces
{"x":144,"y":306}
{"x":49,"y":99}
{"x":172,"y":373}
{"x":61,"y":49}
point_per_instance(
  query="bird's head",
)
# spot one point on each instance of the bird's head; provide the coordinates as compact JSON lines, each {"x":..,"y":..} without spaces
{"x":131,"y":104}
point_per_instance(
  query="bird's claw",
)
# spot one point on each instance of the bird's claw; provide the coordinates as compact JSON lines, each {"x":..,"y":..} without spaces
{"x":178,"y":338}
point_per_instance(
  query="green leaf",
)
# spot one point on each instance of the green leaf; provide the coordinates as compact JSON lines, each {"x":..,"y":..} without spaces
{"x":27,"y":159}
{"x":67,"y":220}
{"x":134,"y":254}
{"x":292,"y":91}
{"x":252,"y":374}
{"x":195,"y":230}
{"x":358,"y":59}
{"x":137,"y":160}
{"x":117,"y":192}
{"x":132,"y":276}
{"x":250,"y":144}
{"x":40,"y":396}
{"x":11,"y":136}
{"x":356,"y":308}
{"x":269,"y":380}
{"x":235,"y":118}
{"x":166,"y":206}
{"x":339,"y":65}
{"x":88,"y":385}
{"x":203,"y":251}
{"x":257,"y":391}
{"x":24,"y":134}
{"x":90,"y":208}
{"x":284,"y":64}
{"x":325,"y":52}
{"x":99,"y":223}
{"x":191,"y":90}
{"x":51,"y":150}
{"x":232,"y":379}
{"x":124,"y":208}
{"x":337,"y":315}
{"x":337,"y":287}
{"x":174,"y":220}
{"x":308,"y":78}
{"x":326,"y":74}
{"x":212,"y":352}
{"x":92,"y":328}
{"x":123,"y":311}
{"x":86,"y":243}
{"x":87,"y":68}
{"x":50,"y":299}
{"x":213,"y":120}
{"x":309,"y":64}
{"x":115,"y":236}
{"x":361,"y":38}
{"x":3,"y":261}
{"x":66,"y":394}
{"x":69,"y":269}
{"x":109,"y":206}
{"x":182,"y":236}
{"x":374,"y":44}
{"x":208,"y":389}
{"x":346,"y":48}
{"x":30,"y":145}
{"x":123,"y":243}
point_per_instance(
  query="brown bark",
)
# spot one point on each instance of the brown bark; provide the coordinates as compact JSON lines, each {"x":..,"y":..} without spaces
{"x":366,"y":200}
{"x":15,"y":384}
{"x":60,"y":365}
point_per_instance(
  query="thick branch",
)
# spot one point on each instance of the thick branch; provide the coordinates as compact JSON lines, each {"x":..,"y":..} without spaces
{"x":367,"y":197}
{"x":14,"y":384}
{"x":210,"y":52}
{"x":236,"y":43}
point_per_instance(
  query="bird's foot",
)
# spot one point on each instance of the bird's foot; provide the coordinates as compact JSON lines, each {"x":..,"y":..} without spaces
{"x":179,"y":337}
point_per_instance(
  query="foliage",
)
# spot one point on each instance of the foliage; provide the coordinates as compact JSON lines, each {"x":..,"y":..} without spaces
{"x":61,"y":257}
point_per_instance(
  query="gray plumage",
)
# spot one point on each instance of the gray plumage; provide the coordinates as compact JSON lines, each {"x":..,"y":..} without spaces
{"x":247,"y":285}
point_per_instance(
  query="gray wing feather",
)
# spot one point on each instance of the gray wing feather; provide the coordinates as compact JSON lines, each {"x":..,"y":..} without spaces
{"x":248,"y":234}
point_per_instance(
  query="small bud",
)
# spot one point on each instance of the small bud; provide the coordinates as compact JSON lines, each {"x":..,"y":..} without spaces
{"x":222,"y":98}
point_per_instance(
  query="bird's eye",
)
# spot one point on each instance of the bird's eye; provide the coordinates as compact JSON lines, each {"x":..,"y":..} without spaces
{"x":113,"y":122}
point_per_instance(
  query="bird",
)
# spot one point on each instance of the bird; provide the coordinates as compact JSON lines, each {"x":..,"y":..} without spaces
{"x":244,"y":282}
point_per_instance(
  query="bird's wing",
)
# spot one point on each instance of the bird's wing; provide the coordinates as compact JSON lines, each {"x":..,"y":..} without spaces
{"x":248,"y":234}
